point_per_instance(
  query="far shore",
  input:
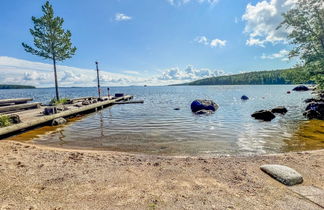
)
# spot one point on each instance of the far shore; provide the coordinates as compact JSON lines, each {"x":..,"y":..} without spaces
{"x":40,"y":177}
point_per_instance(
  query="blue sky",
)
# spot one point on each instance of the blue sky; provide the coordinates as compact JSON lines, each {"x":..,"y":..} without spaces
{"x":148,"y":41}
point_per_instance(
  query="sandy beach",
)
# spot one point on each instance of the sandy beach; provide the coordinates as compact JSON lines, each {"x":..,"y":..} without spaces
{"x":38,"y":177}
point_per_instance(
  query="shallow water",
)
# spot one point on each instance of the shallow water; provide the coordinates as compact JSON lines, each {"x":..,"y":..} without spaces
{"x":156,"y":128}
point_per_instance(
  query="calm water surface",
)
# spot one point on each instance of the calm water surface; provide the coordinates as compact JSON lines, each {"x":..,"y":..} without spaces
{"x":156,"y":128}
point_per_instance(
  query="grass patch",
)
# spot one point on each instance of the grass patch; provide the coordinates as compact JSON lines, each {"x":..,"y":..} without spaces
{"x":4,"y":121}
{"x":55,"y":102}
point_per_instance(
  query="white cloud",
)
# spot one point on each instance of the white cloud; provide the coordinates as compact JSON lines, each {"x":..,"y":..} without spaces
{"x":217,"y":43}
{"x":182,"y":2}
{"x":262,"y":20}
{"x":122,"y":17}
{"x":212,"y":43}
{"x":188,"y":74}
{"x":131,"y":72}
{"x":282,"y":54}
{"x":202,"y":40}
{"x":18,"y":71}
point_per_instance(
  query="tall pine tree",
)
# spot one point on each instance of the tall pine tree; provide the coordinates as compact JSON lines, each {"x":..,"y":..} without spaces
{"x":50,"y":39}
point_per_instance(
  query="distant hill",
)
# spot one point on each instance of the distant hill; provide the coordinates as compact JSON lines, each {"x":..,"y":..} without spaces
{"x":16,"y":87}
{"x":282,"y":76}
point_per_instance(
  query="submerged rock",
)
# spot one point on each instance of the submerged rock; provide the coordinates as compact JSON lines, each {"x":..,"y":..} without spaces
{"x":176,"y":108}
{"x":280,"y":110}
{"x":200,"y":104}
{"x":59,"y":121}
{"x":283,"y":174}
{"x":204,"y":111}
{"x":264,"y":115}
{"x":244,"y":97}
{"x":301,"y":88}
{"x":315,"y":110}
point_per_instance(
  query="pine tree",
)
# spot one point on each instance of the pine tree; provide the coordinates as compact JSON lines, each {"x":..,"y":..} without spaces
{"x":50,"y":39}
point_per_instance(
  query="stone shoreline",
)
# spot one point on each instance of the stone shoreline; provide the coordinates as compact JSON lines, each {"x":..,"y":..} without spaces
{"x":38,"y":177}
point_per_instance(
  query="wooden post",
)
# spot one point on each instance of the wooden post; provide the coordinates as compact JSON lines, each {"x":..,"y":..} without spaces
{"x":98,"y":80}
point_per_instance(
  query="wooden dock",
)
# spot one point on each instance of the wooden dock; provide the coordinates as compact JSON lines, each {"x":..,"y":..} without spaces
{"x":35,"y":117}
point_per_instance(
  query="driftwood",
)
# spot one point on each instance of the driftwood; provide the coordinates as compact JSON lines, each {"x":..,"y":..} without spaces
{"x":15,"y":101}
{"x":19,"y":107}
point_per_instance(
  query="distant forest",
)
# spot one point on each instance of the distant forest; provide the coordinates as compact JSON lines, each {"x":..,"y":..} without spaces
{"x":275,"y":77}
{"x":16,"y":87}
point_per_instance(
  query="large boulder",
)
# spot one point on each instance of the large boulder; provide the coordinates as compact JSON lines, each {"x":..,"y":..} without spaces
{"x":283,"y":174}
{"x":315,"y":110}
{"x":200,"y":104}
{"x":264,"y":115}
{"x":301,"y":88}
{"x":280,"y":110}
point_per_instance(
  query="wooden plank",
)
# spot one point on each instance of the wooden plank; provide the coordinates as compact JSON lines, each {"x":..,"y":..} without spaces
{"x":38,"y":120}
{"x":15,"y":100}
{"x":19,"y":107}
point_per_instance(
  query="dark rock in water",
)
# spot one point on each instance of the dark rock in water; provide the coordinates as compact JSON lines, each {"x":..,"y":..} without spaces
{"x":58,"y":121}
{"x":283,"y":174}
{"x":264,"y":115}
{"x":288,"y":92}
{"x":204,"y":111}
{"x":314,"y":100}
{"x":199,"y":104}
{"x":315,"y":110}
{"x":280,"y":110}
{"x":244,"y":97}
{"x":301,"y":88}
{"x":176,"y":108}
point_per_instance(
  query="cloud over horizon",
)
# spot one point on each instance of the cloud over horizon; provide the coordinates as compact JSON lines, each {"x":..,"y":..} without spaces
{"x":18,"y":71}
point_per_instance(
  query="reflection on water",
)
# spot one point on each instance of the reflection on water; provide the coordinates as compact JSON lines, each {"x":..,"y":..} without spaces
{"x":156,"y":128}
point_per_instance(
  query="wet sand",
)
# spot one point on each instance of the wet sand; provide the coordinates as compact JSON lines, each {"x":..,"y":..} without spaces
{"x":39,"y":177}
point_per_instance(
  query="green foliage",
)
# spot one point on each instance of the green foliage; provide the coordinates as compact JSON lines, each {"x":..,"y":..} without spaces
{"x":55,"y":102}
{"x":306,"y":25}
{"x":50,"y":39}
{"x":4,"y":121}
{"x":16,"y":87}
{"x":286,"y":76}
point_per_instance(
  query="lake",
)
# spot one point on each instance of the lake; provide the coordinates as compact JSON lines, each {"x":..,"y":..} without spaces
{"x":156,"y":128}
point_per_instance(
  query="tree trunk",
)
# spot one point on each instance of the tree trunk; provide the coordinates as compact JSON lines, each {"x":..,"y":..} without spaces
{"x":55,"y":76}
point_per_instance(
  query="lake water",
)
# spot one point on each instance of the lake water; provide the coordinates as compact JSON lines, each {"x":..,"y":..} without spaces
{"x":156,"y":128}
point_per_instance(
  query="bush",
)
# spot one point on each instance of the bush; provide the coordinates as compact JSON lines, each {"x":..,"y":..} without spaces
{"x":55,"y":102}
{"x":4,"y":121}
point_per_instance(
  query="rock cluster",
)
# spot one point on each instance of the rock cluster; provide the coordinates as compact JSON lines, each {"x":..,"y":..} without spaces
{"x":315,"y":107}
{"x":268,"y":115}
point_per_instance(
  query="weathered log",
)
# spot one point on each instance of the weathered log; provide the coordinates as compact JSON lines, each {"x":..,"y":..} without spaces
{"x":15,"y":100}
{"x":19,"y":107}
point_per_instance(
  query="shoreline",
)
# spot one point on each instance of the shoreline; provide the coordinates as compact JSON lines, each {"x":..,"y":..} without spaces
{"x":42,"y":177}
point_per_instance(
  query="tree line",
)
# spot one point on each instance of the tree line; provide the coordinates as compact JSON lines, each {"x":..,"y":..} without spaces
{"x":275,"y":77}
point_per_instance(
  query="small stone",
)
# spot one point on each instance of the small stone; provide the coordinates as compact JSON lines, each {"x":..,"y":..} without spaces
{"x":244,"y":97}
{"x":176,"y":108}
{"x":283,"y":174}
